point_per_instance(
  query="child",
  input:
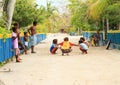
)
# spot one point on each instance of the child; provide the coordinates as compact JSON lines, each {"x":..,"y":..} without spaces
{"x":15,"y":36}
{"x":26,"y":41}
{"x":32,"y":31}
{"x":54,"y":47}
{"x":93,"y":40}
{"x":66,"y":46}
{"x":83,"y":47}
{"x":20,"y":44}
{"x":84,"y":41}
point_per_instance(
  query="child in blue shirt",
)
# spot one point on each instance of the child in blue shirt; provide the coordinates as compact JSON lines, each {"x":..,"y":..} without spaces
{"x":54,"y":47}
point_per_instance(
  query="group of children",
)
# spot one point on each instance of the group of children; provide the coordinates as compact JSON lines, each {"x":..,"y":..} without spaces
{"x":66,"y":46}
{"x":17,"y":44}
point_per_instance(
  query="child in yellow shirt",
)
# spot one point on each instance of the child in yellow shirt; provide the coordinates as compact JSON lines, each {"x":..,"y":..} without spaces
{"x":66,"y":46}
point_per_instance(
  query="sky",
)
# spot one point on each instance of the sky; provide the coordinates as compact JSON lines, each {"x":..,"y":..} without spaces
{"x":60,"y":4}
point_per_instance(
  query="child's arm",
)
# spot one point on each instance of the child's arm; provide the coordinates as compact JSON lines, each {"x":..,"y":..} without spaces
{"x":29,"y":30}
{"x":13,"y":36}
{"x":87,"y":44}
{"x":60,"y":43}
{"x":71,"y":44}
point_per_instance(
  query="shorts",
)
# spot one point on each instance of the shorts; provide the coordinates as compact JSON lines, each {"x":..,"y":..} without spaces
{"x":17,"y":51}
{"x":33,"y":40}
{"x":53,"y":51}
{"x":26,"y":45}
{"x":83,"y":50}
{"x":66,"y":50}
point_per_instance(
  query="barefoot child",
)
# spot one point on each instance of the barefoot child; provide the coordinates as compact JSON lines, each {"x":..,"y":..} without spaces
{"x":32,"y":31}
{"x":15,"y":35}
{"x":66,"y":46}
{"x":83,"y":47}
{"x":84,"y":41}
{"x":20,"y":44}
{"x":54,"y":47}
{"x":26,"y":41}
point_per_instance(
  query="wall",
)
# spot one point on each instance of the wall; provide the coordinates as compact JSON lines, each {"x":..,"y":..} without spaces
{"x":113,"y":36}
{"x":6,"y":51}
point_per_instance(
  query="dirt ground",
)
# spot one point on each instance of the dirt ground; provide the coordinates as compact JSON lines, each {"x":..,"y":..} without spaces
{"x":98,"y":67}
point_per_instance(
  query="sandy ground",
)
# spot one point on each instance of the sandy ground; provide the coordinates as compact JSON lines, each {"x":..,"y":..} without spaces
{"x":98,"y":67}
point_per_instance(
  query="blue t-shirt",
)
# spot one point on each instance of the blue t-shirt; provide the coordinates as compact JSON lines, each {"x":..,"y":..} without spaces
{"x":52,"y":46}
{"x":84,"y":46}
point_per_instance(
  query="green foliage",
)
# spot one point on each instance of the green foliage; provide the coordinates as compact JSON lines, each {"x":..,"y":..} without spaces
{"x":26,"y":12}
{"x":71,"y":29}
{"x":3,"y":20}
{"x":88,"y":15}
{"x":4,"y":33}
{"x":113,"y":13}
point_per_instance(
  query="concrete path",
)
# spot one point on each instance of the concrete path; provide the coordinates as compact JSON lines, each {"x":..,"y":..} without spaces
{"x":98,"y":67}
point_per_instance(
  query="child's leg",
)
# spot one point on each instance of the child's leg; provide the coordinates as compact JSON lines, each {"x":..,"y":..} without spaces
{"x":63,"y":51}
{"x":83,"y":51}
{"x":54,"y":50}
{"x":26,"y":48}
{"x":17,"y":51}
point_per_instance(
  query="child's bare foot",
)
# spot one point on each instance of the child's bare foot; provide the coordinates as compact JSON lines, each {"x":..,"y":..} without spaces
{"x":33,"y":52}
{"x":67,"y":54}
{"x":18,"y":61}
{"x":86,"y":52}
{"x":82,"y":52}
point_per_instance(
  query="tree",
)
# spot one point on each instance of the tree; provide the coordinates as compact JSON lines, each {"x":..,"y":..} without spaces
{"x":113,"y":14}
{"x":9,"y":9}
{"x":79,"y":17}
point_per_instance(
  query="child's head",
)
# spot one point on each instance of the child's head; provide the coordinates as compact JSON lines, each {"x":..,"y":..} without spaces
{"x":16,"y":24}
{"x":82,"y":39}
{"x":80,"y":42}
{"x":35,"y":23}
{"x":66,"y":39}
{"x":15,"y":29}
{"x":25,"y":34}
{"x":92,"y":36}
{"x":55,"y":41}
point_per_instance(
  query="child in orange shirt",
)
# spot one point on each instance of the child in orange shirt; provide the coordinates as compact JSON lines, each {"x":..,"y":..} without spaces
{"x":66,"y":46}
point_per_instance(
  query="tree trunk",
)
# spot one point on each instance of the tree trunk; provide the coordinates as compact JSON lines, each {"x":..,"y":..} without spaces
{"x":1,"y":8}
{"x":78,"y":31}
{"x":107,"y":24}
{"x":119,"y":26}
{"x":103,"y":25}
{"x":10,"y":11}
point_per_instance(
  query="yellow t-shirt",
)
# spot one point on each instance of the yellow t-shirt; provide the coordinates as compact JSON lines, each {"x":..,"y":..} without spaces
{"x":66,"y":45}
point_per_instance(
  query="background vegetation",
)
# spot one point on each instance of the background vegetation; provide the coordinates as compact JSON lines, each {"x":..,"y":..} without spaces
{"x":83,"y":16}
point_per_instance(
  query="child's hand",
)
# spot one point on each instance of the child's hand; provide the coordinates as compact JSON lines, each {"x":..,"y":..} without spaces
{"x":76,"y":45}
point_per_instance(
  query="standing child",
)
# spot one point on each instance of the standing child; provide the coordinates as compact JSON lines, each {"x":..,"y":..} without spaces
{"x":15,"y":35}
{"x":26,"y":41}
{"x":66,"y":46}
{"x":32,"y":31}
{"x":54,"y":47}
{"x":83,"y":47}
{"x":93,"y":40}
{"x":20,"y":44}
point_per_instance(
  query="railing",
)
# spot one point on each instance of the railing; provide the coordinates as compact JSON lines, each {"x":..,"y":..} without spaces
{"x":114,"y":37}
{"x":6,"y":51}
